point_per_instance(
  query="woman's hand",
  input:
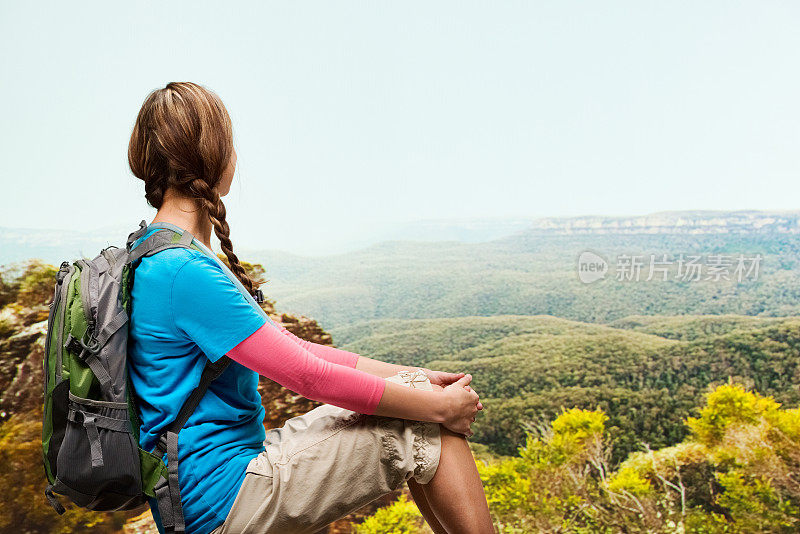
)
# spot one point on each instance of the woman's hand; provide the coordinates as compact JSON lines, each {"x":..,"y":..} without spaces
{"x":442,"y":378}
{"x":462,"y":406}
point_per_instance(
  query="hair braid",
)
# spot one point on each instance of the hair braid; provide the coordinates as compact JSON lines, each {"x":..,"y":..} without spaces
{"x":215,"y":208}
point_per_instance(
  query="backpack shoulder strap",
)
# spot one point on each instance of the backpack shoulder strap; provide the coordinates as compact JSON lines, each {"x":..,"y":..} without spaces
{"x":157,"y":241}
{"x":167,"y":489}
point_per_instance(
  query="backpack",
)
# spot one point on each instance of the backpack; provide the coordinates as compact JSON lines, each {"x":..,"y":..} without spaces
{"x":90,"y":433}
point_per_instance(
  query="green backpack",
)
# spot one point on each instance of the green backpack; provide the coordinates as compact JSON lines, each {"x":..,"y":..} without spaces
{"x":90,"y":434}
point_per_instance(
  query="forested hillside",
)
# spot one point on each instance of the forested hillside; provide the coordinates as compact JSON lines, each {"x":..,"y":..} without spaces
{"x":527,"y":369}
{"x":534,"y":274}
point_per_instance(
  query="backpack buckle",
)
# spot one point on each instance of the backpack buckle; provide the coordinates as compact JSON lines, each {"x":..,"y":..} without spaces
{"x":161,"y":446}
{"x":78,"y":346}
{"x":53,"y":500}
{"x":258,"y":296}
{"x":136,"y":234}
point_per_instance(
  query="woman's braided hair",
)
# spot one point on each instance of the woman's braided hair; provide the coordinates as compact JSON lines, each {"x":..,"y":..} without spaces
{"x":183,"y":138}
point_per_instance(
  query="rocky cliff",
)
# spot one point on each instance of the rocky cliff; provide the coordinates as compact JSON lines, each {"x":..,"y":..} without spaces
{"x":673,"y":222}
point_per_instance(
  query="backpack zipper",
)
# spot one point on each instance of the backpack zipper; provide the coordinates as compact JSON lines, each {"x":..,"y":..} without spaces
{"x":87,"y":311}
{"x":63,"y":294}
{"x":51,"y":318}
{"x":109,"y":256}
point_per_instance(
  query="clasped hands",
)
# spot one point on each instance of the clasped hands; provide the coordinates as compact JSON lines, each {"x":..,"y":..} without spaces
{"x":444,"y":379}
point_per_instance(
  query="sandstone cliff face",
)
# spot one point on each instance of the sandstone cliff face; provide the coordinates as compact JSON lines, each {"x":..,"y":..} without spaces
{"x":676,"y":222}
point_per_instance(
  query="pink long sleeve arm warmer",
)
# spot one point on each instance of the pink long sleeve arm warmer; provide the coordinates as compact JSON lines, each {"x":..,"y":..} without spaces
{"x":332,"y":354}
{"x":271,"y":353}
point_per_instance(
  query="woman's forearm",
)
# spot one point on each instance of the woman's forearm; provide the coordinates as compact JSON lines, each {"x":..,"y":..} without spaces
{"x":412,"y":403}
{"x":277,"y":357}
{"x":396,"y":400}
{"x":379,"y":368}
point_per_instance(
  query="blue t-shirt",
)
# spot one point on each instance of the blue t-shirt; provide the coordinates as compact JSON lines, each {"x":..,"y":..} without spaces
{"x":184,"y":310}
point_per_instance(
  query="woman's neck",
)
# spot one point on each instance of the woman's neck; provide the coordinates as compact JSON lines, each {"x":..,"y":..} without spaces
{"x":185,"y":213}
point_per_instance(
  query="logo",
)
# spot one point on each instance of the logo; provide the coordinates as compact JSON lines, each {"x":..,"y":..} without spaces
{"x":591,"y":267}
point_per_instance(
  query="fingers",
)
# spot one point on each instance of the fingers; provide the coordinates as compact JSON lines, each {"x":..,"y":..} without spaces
{"x":469,"y":388}
{"x":467,"y":430}
{"x":469,"y":433}
{"x":465,"y":426}
{"x":480,"y":404}
{"x":449,"y":378}
{"x":464,"y":380}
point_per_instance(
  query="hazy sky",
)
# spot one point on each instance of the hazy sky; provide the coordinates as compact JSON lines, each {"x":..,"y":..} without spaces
{"x":352,"y":115}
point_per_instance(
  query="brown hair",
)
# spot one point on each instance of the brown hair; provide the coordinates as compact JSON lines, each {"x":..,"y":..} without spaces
{"x":183,"y":138}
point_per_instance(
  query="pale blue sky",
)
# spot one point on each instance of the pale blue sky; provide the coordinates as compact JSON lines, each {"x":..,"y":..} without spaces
{"x":353,"y":115}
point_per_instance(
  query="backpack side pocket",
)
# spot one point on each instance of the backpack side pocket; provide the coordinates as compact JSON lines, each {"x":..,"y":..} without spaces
{"x":98,"y":462}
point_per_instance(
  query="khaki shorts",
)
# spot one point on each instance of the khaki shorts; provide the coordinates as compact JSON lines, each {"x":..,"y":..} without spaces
{"x":329,"y":462}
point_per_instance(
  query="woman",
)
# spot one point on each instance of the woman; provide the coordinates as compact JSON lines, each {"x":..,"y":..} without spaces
{"x":381,"y":424}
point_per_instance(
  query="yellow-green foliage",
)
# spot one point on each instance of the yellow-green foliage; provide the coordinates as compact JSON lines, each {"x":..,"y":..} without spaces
{"x":664,"y":462}
{"x":735,"y":474}
{"x":755,"y":504}
{"x":574,"y":432}
{"x":727,"y":406}
{"x":507,"y":489}
{"x":401,"y":517}
{"x":548,"y":486}
{"x":629,"y":480}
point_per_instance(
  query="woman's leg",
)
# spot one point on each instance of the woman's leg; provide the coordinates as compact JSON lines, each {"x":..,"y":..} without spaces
{"x":455,"y":493}
{"x":422,"y":503}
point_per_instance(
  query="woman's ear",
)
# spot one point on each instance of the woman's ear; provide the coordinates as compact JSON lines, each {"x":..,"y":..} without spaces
{"x":224,"y":185}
